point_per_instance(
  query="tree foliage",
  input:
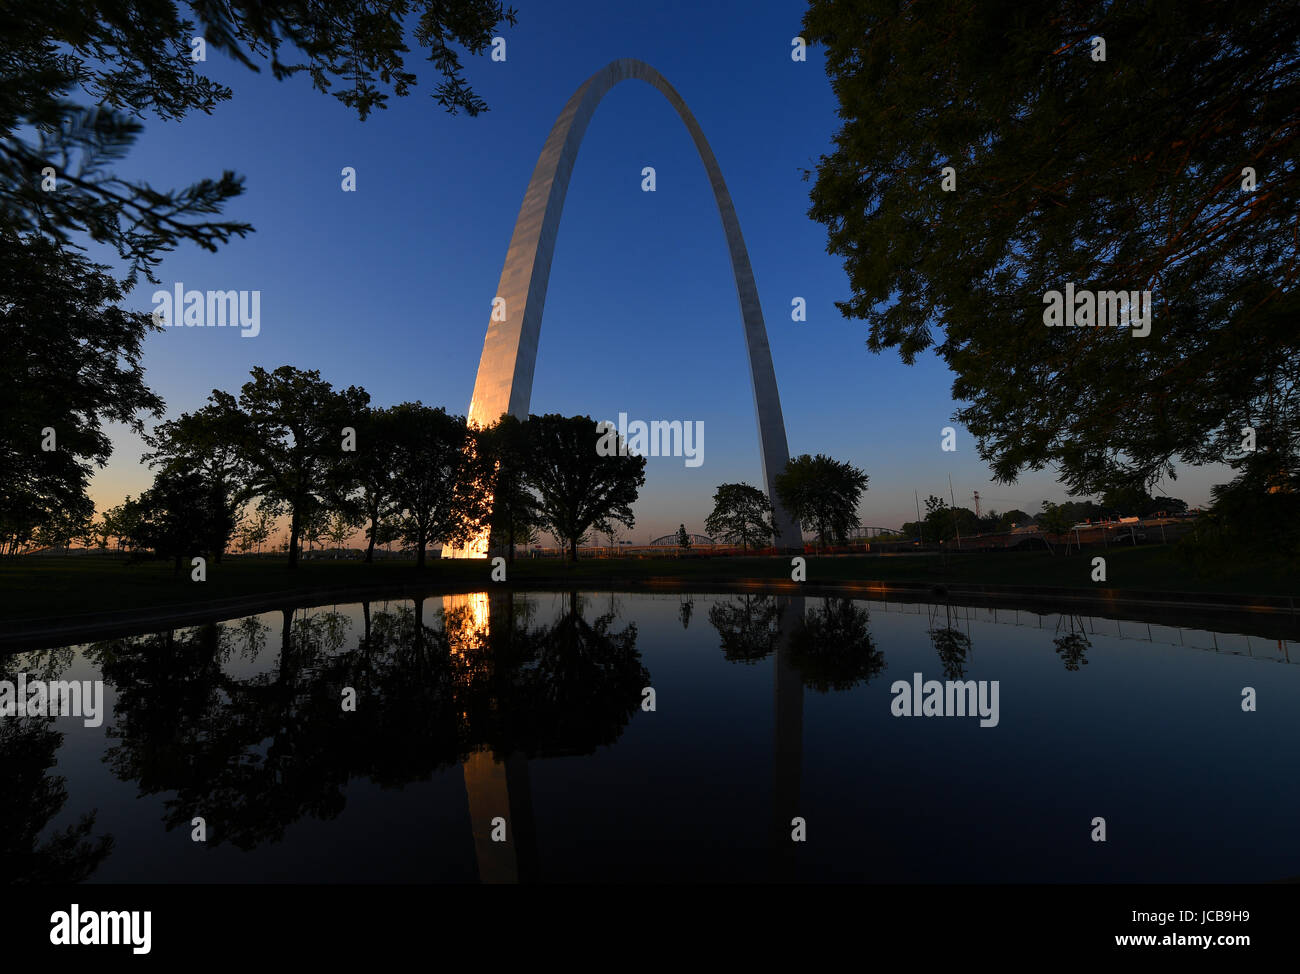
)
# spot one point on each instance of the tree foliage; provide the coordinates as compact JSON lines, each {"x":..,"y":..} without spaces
{"x":439,"y":483}
{"x":134,"y":58}
{"x":70,"y":363}
{"x":505,"y":452}
{"x":742,"y":514}
{"x":180,"y":516}
{"x":577,"y":487}
{"x":822,"y":494}
{"x":293,"y":440}
{"x":1116,"y":174}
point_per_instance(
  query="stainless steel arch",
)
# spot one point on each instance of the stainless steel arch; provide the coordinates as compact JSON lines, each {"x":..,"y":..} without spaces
{"x":505,"y":372}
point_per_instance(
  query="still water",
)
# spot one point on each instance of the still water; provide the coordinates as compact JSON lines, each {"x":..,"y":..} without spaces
{"x":391,"y":741}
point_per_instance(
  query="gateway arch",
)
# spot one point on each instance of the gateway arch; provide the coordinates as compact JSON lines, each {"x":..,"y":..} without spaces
{"x":505,"y":372}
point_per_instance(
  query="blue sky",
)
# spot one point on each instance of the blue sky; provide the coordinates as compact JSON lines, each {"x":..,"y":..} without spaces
{"x":390,"y":287}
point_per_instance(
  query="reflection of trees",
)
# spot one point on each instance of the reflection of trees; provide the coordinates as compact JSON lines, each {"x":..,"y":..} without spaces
{"x":254,"y":754}
{"x":833,"y":649}
{"x":748,"y":627}
{"x":249,"y":755}
{"x":1072,"y":646}
{"x":570,"y":689}
{"x":685,"y":611}
{"x":407,"y":723}
{"x":30,"y":797}
{"x":952,"y":645}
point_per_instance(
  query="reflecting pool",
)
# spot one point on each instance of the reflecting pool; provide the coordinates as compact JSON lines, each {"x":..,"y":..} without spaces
{"x":632,"y":737}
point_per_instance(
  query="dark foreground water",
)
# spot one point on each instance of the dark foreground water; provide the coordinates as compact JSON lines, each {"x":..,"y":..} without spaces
{"x":773,"y":717}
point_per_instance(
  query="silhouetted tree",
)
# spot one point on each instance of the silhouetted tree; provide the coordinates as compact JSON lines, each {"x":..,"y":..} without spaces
{"x":294,"y":440}
{"x":822,"y":494}
{"x":439,"y":483}
{"x":209,"y":441}
{"x":71,"y":362}
{"x":741,"y":515}
{"x":134,"y":58}
{"x":579,"y":485}
{"x":181,"y":516}
{"x":504,"y":449}
{"x":1050,"y":191}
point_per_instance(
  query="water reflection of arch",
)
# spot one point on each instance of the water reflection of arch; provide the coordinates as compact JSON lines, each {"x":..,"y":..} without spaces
{"x":558,"y":690}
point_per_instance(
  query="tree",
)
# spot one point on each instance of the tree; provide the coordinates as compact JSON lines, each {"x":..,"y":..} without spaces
{"x":439,"y":483}
{"x":95,"y":534}
{"x":59,"y":531}
{"x":504,"y":448}
{"x":369,"y":472}
{"x":741,"y":515}
{"x":1127,"y":500}
{"x":1165,"y":505}
{"x":340,"y":528}
{"x":579,"y":487}
{"x":121,"y":522}
{"x":211,"y":441}
{"x":1055,"y":519}
{"x":133,"y":57}
{"x":258,"y":530}
{"x":71,"y":363}
{"x":1051,"y":190}
{"x":179,"y":517}
{"x":1258,"y":511}
{"x":822,"y":494}
{"x":293,"y":440}
{"x":683,"y":539}
{"x":1014,"y":519}
{"x":315,"y":523}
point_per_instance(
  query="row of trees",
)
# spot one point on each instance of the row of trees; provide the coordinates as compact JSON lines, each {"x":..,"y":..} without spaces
{"x":292,"y":446}
{"x":942,"y":522}
{"x":78,"y":82}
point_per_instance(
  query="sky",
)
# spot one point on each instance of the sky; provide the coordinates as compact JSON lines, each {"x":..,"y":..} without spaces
{"x":390,"y":287}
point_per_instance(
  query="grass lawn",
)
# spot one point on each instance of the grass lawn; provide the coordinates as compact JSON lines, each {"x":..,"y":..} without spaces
{"x":40,"y":587}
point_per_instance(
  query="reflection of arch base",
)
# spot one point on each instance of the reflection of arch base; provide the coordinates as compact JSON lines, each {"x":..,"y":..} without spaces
{"x":505,"y":372}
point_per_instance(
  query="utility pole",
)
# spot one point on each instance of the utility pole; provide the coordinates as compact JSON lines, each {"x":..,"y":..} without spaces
{"x":920,"y":525}
{"x":955,"y":525}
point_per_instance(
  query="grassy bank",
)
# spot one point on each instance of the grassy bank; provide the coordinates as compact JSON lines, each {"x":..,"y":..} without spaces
{"x":57,"y":587}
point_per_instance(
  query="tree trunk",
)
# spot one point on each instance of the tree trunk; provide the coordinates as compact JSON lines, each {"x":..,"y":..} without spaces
{"x":370,"y":547}
{"x":293,"y":538}
{"x":419,"y":554}
{"x":573,"y":549}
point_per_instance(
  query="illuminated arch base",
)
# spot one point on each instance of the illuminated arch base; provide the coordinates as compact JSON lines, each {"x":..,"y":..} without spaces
{"x":505,"y":371}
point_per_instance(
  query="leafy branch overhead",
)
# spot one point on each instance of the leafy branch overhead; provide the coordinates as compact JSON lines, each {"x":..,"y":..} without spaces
{"x":1127,"y":173}
{"x":134,"y":58}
